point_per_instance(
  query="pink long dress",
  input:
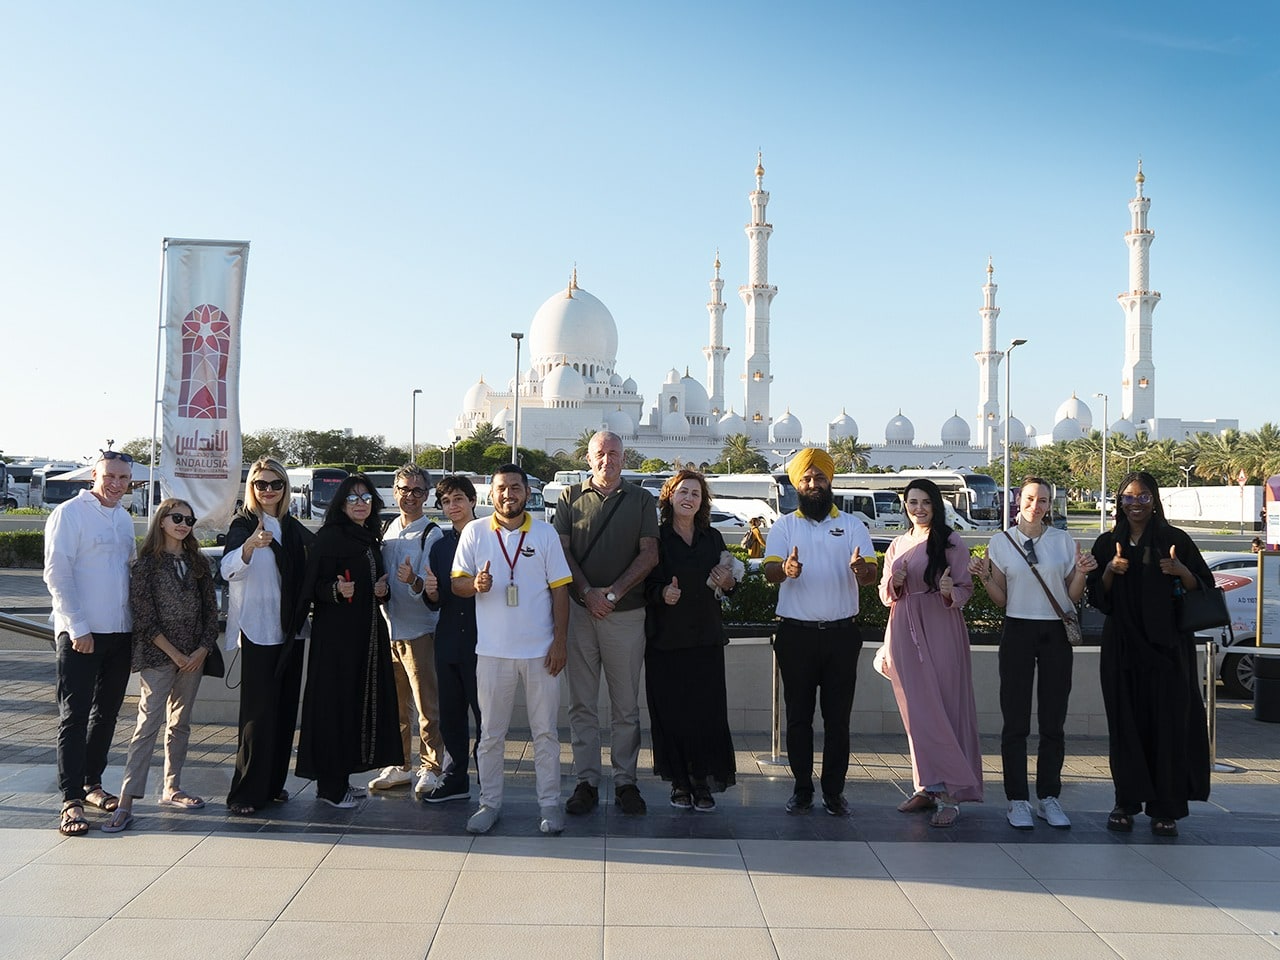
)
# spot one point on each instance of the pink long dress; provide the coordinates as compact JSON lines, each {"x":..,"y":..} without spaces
{"x":927,"y":661}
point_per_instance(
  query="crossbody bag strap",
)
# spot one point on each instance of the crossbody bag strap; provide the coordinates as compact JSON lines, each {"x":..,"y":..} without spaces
{"x":1057,"y":607}
{"x":600,"y":529}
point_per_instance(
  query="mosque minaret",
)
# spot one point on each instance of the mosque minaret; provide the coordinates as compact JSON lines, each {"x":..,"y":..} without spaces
{"x":989,"y":358}
{"x":1138,"y":378}
{"x":716,"y":351}
{"x":757,"y":295}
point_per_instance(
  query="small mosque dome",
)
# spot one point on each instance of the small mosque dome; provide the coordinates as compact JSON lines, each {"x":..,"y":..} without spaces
{"x":732,"y":423}
{"x":696,"y":401}
{"x":787,"y":429}
{"x":615,"y":380}
{"x":502,"y":418}
{"x":564,"y":383}
{"x":1073,"y":406}
{"x":956,"y":430}
{"x":476,"y":397}
{"x":899,"y":430}
{"x":629,"y":386}
{"x":1124,"y":428}
{"x":675,"y":425}
{"x":1017,"y":432}
{"x":843,"y":427}
{"x":1068,"y":428}
{"x":619,"y":422}
{"x":530,"y":376}
{"x":673,"y":376}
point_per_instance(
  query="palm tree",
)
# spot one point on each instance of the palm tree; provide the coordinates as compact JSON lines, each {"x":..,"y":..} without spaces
{"x":739,"y":454}
{"x":486,"y":435}
{"x":582,"y":444}
{"x":1217,"y":455}
{"x":1260,"y":451}
{"x":850,"y":455}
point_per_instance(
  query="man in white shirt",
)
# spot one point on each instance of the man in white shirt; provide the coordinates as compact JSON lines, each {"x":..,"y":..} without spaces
{"x":819,"y":556}
{"x":405,"y":544}
{"x":515,"y":568}
{"x":88,"y":547}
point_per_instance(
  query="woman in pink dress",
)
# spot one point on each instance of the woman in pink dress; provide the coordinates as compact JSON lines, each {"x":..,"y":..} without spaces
{"x":925,"y":584}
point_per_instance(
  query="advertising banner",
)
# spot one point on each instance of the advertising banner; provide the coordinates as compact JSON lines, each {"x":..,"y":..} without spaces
{"x":200,"y":446}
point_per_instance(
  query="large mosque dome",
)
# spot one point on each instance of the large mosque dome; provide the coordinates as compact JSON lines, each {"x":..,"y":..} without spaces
{"x":1075,"y":408}
{"x":696,"y":401}
{"x":843,"y":427}
{"x":675,"y":424}
{"x":1017,"y":432}
{"x":574,"y":327}
{"x":955,"y":432}
{"x":732,"y":423}
{"x":899,"y":430}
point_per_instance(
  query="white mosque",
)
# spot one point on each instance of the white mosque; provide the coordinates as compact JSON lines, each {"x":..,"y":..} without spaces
{"x":573,"y":383}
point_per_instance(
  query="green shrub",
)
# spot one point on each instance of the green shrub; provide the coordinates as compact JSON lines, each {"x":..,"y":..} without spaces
{"x":22,"y":548}
{"x":30,"y":512}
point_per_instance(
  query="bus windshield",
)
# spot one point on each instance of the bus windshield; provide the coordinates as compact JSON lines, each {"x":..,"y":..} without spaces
{"x":60,"y":491}
{"x":324,"y":484}
{"x":985,"y":495}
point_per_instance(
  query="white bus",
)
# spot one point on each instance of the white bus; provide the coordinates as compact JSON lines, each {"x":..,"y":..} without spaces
{"x":744,"y":494}
{"x":974,"y":496}
{"x":313,"y":489}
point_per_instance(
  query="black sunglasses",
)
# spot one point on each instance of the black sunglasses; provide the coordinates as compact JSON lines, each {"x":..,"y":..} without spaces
{"x":360,"y":497}
{"x":411,"y":491}
{"x":179,"y":518}
{"x":263,"y":485}
{"x":115,"y":455}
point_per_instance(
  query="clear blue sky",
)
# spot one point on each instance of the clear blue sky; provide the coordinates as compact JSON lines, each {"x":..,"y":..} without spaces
{"x":417,"y":178}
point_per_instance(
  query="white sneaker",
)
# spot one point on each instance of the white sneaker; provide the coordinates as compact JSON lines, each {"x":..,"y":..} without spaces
{"x":1019,"y":815}
{"x":482,"y":820}
{"x":552,"y":821}
{"x":347,"y":802}
{"x":428,"y":780}
{"x":390,"y":777}
{"x":1050,"y":811}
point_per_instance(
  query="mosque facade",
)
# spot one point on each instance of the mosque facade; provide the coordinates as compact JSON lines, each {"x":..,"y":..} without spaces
{"x":573,"y":382}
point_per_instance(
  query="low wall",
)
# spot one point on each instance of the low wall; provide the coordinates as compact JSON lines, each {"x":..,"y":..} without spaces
{"x":748,"y":667}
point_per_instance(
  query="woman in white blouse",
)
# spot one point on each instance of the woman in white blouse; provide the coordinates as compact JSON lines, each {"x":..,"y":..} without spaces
{"x":263,"y":562}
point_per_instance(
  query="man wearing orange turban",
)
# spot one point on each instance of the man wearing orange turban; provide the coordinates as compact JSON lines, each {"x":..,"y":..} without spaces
{"x":819,"y":556}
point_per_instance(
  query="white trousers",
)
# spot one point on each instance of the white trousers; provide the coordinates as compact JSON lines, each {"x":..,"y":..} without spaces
{"x":496,"y":680}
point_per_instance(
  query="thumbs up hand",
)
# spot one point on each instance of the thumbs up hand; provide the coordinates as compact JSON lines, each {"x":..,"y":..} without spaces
{"x":404,"y":572}
{"x":431,"y":584}
{"x":792,"y":565}
{"x":946,"y":584}
{"x":380,"y":588}
{"x":899,"y":577}
{"x":346,"y":586}
{"x":1118,"y":565}
{"x":1171,"y":565}
{"x":671,"y":593}
{"x":484,"y":579}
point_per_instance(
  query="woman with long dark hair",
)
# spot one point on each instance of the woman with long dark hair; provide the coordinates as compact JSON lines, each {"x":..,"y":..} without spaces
{"x":1159,"y":744}
{"x":684,"y":652}
{"x":350,"y":716}
{"x":263,"y":562}
{"x":925,"y":585}
{"x":175,"y":626}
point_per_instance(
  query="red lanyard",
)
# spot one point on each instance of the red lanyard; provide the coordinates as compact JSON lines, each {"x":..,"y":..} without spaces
{"x":511,"y":561}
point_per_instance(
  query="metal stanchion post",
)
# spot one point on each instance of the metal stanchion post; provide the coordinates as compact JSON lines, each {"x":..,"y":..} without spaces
{"x":1211,"y":706}
{"x":775,"y":758}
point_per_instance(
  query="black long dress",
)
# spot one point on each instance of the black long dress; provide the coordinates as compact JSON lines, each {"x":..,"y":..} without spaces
{"x":350,"y":718}
{"x":684,"y":665}
{"x":1159,"y":741}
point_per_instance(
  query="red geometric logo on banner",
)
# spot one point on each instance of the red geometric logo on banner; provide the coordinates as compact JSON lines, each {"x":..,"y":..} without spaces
{"x":206,"y":345}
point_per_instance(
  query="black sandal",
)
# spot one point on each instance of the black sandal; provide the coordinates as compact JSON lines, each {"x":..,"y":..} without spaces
{"x":1164,"y":827}
{"x":73,"y":823}
{"x":1119,"y":821}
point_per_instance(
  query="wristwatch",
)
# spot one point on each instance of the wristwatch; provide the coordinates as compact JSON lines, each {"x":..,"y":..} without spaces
{"x":611,"y":597}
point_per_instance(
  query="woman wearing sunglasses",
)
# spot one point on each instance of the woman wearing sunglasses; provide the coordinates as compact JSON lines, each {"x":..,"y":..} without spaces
{"x":1159,"y":743}
{"x":175,"y":625}
{"x":350,"y":717}
{"x":264,"y":561}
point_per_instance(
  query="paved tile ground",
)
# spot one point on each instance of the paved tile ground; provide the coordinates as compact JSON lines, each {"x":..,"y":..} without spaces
{"x":395,"y":878}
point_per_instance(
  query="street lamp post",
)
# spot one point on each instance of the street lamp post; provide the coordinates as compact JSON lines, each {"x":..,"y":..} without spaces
{"x":1008,"y":414}
{"x":515,"y":419}
{"x":413,"y":430}
{"x":1186,"y":474}
{"x":1102,"y":510}
{"x":1128,"y":458}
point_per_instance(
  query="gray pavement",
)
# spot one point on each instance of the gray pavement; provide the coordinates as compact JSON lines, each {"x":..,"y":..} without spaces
{"x":397,"y":878}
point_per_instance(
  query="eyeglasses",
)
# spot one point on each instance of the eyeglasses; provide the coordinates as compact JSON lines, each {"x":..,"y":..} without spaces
{"x":359,"y":498}
{"x":1030,"y":547}
{"x":179,"y":518}
{"x":1129,"y":500}
{"x":262,"y":486}
{"x":411,"y":491}
{"x":115,"y":455}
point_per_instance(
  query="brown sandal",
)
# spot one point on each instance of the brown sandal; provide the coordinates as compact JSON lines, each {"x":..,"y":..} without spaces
{"x":97,"y":797}
{"x":73,"y":823}
{"x":946,"y":815}
{"x":917,"y":802}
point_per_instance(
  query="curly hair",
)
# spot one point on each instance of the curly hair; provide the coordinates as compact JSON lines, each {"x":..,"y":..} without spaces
{"x":700,"y":519}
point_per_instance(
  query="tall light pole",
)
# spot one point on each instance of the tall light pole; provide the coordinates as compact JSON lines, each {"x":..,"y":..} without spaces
{"x":1102,"y":510}
{"x":1186,"y":473}
{"x":413,"y":430}
{"x":1008,"y":415}
{"x":515,"y":420}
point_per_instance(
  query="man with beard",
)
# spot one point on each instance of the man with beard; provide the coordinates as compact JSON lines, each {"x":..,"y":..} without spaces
{"x":819,"y":556}
{"x":513,"y":565}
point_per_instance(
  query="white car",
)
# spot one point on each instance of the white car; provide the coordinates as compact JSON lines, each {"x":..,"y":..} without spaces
{"x":1236,"y":574}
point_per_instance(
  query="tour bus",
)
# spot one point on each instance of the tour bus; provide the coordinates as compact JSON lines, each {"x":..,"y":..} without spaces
{"x":7,"y":501}
{"x":49,"y":493}
{"x":974,"y":496}
{"x":313,"y":489}
{"x":753,"y":495}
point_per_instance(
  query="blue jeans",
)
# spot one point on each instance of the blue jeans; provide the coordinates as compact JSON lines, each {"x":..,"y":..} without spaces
{"x":90,"y":690}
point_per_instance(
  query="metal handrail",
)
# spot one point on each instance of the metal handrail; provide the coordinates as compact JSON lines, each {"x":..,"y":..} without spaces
{"x":30,"y":628}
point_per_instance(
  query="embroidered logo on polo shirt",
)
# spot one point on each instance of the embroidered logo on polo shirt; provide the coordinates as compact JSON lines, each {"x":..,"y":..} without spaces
{"x":836,"y":531}
{"x":526,"y":551}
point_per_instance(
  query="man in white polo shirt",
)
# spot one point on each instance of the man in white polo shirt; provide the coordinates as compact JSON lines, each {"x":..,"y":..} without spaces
{"x":819,"y":556}
{"x":515,"y":568}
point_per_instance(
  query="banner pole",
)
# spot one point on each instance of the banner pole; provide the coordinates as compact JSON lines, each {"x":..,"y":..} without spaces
{"x":155,"y":407}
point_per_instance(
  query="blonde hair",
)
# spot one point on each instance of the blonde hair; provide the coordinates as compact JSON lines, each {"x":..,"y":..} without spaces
{"x":256,"y":469}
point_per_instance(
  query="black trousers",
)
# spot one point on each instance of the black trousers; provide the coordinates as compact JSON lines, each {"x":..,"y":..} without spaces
{"x":456,"y":689}
{"x":269,"y":692}
{"x":819,"y":668}
{"x":90,"y":689}
{"x":1024,"y":645}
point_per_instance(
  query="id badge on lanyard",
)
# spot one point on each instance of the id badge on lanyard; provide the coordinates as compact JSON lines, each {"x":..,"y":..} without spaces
{"x":513,"y":591}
